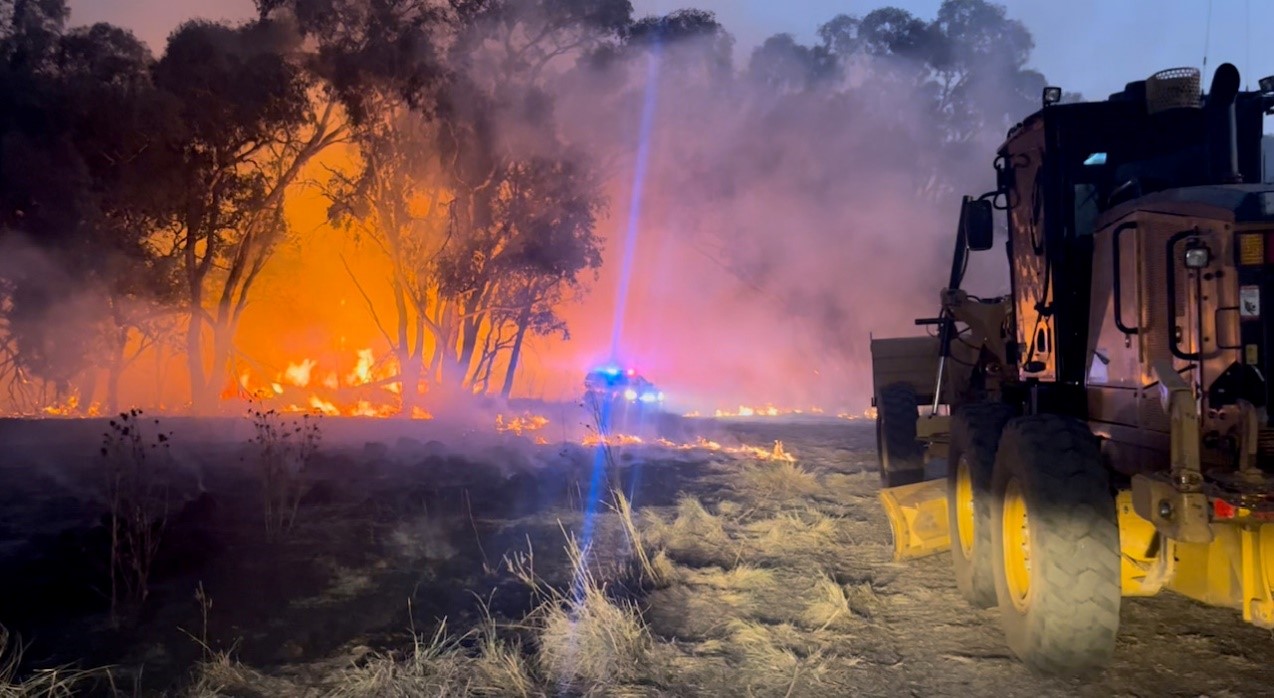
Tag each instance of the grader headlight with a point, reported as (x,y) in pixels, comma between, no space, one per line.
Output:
(1197,257)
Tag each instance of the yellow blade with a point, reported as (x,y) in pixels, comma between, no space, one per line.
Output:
(918,518)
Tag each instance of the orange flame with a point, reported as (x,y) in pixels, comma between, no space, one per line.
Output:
(521,424)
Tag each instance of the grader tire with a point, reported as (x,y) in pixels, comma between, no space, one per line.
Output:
(901,455)
(1054,530)
(975,436)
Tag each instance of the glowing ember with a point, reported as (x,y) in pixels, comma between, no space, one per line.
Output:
(775,453)
(612,440)
(766,411)
(420,413)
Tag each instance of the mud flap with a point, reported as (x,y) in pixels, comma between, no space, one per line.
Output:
(918,518)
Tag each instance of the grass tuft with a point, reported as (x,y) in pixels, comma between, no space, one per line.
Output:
(694,536)
(220,675)
(828,604)
(587,641)
(777,481)
(46,683)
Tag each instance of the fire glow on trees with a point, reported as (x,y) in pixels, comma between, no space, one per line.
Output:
(366,209)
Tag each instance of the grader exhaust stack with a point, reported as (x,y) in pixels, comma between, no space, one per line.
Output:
(1113,411)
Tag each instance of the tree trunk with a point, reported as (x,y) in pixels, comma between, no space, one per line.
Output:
(523,318)
(113,374)
(471,327)
(222,370)
(409,371)
(200,401)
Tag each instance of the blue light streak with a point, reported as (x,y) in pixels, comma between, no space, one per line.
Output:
(597,480)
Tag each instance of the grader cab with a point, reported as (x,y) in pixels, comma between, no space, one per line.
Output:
(1104,431)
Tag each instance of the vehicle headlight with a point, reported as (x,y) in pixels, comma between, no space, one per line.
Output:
(630,394)
(1197,257)
(649,397)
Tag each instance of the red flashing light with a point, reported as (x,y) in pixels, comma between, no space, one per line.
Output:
(1222,509)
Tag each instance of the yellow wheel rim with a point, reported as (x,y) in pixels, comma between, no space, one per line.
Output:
(1017,546)
(964,506)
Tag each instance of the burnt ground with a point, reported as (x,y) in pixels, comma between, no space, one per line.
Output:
(764,576)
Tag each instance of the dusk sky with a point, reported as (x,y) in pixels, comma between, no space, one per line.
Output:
(1087,46)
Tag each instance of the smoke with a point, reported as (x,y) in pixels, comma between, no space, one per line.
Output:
(791,206)
(780,226)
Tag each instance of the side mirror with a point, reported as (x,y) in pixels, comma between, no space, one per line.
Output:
(976,224)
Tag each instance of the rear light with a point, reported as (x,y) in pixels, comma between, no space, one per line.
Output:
(1222,510)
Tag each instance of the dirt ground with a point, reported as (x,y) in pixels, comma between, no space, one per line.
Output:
(442,561)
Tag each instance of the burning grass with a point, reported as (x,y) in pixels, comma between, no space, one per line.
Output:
(777,481)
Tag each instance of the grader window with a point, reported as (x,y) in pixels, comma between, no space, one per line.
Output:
(1086,209)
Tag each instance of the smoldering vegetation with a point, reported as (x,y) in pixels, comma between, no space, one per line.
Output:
(467,179)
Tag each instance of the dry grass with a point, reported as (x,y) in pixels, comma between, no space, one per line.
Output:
(656,570)
(219,675)
(587,641)
(47,683)
(694,535)
(774,657)
(742,577)
(440,665)
(777,481)
(593,642)
(864,600)
(807,532)
(828,604)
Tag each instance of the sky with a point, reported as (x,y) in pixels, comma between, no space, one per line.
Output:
(1088,46)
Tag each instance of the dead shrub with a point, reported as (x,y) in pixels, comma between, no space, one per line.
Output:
(284,446)
(138,470)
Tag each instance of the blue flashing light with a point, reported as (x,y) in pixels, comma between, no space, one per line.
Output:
(1095,159)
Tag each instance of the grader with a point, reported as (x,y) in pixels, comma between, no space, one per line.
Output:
(1105,428)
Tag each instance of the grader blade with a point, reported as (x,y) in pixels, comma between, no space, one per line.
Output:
(917,518)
